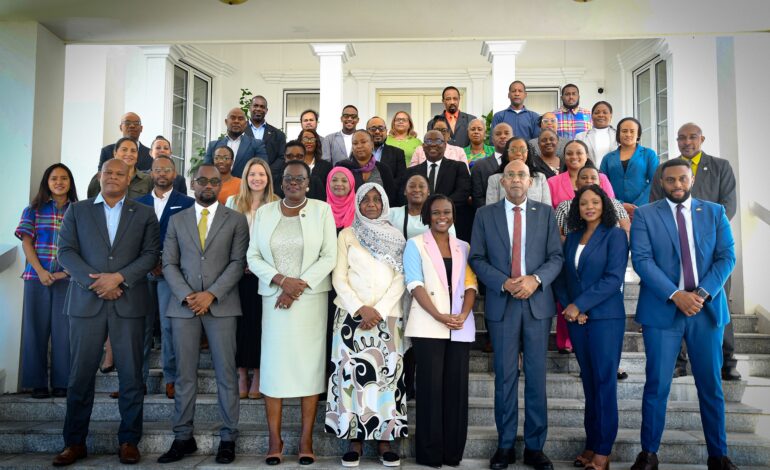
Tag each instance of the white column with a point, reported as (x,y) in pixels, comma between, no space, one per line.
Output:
(502,55)
(157,111)
(475,101)
(331,58)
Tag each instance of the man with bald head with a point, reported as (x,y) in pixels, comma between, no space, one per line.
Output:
(714,182)
(389,155)
(488,166)
(130,126)
(242,144)
(518,270)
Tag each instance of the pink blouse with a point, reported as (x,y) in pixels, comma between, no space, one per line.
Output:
(561,188)
(452,152)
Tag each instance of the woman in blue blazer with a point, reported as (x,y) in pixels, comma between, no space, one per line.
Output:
(631,167)
(591,286)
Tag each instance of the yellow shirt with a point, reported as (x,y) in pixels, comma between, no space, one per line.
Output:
(694,161)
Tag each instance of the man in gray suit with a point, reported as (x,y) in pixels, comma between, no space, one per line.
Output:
(338,145)
(714,182)
(107,244)
(203,259)
(488,166)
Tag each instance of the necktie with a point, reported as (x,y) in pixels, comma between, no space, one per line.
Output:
(202,226)
(684,250)
(432,177)
(516,249)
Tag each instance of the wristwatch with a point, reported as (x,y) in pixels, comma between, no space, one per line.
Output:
(537,278)
(702,293)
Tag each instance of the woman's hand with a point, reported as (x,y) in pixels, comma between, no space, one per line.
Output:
(284,301)
(293,287)
(453,322)
(582,319)
(370,317)
(46,278)
(571,313)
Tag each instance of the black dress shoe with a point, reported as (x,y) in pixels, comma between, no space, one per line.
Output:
(226,452)
(720,463)
(179,449)
(680,372)
(537,459)
(107,370)
(730,373)
(40,393)
(60,393)
(646,461)
(502,458)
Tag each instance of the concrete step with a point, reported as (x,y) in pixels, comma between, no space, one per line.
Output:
(683,415)
(678,447)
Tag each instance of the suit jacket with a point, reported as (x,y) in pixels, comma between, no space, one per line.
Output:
(480,174)
(394,159)
(656,257)
(333,148)
(177,202)
(143,162)
(714,182)
(216,269)
(275,145)
(319,253)
(631,185)
(84,248)
(452,180)
(387,178)
(249,148)
(596,285)
(459,136)
(490,258)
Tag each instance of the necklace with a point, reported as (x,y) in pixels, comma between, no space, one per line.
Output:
(283,201)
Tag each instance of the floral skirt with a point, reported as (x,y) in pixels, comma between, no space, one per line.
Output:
(366,397)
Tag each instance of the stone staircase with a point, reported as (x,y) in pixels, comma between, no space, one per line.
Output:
(30,430)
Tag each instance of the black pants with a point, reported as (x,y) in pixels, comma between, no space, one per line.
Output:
(728,342)
(442,400)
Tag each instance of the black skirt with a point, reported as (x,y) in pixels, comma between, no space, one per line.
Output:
(249,333)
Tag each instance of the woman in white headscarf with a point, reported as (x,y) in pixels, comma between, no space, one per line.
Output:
(366,390)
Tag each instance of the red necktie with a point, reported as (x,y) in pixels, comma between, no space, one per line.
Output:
(516,250)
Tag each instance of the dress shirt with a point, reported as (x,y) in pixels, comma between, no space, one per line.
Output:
(259,132)
(686,212)
(348,140)
(509,224)
(234,145)
(378,152)
(572,121)
(212,211)
(159,203)
(111,215)
(694,162)
(499,158)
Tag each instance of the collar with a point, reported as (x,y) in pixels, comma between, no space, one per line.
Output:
(456,115)
(517,111)
(574,110)
(509,205)
(100,198)
(212,208)
(251,123)
(230,139)
(164,196)
(437,162)
(687,204)
(696,159)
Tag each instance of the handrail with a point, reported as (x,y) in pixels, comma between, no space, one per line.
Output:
(7,255)
(760,211)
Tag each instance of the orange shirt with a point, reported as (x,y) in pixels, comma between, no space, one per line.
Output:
(229,188)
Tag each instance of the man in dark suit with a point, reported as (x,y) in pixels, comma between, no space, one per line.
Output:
(488,166)
(683,250)
(389,155)
(317,190)
(243,145)
(516,252)
(130,126)
(273,138)
(338,145)
(204,256)
(458,120)
(107,244)
(447,177)
(714,182)
(166,201)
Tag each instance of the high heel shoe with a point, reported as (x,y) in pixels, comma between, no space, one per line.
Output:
(583,459)
(594,466)
(107,370)
(275,459)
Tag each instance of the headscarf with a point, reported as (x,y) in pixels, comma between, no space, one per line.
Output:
(381,239)
(343,208)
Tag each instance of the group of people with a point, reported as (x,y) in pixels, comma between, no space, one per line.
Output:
(348,266)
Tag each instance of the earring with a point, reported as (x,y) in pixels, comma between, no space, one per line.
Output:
(307,189)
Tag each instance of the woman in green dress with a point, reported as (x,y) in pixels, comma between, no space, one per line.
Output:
(402,135)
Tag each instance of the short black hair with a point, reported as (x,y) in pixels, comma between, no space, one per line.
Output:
(439,118)
(673,162)
(312,111)
(530,163)
(165,157)
(515,82)
(428,204)
(232,154)
(593,108)
(349,106)
(44,193)
(293,143)
(450,87)
(259,96)
(638,126)
(569,85)
(588,167)
(608,219)
(295,163)
(204,165)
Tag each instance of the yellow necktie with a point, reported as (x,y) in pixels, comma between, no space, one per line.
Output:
(202,226)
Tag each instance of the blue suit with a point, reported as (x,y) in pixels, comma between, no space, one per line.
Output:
(249,148)
(655,254)
(596,289)
(177,202)
(518,325)
(633,184)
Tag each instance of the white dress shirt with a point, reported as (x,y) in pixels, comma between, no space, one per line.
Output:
(438,169)
(160,202)
(498,157)
(234,145)
(578,252)
(686,212)
(212,211)
(348,140)
(509,222)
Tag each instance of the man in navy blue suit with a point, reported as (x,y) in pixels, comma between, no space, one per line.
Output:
(683,250)
(516,252)
(244,146)
(166,201)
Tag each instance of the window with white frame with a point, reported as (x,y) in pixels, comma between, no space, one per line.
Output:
(191,114)
(651,105)
(294,102)
(542,99)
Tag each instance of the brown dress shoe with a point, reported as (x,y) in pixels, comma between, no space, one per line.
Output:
(170,392)
(116,394)
(69,455)
(129,454)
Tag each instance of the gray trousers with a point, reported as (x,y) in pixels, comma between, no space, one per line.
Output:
(220,332)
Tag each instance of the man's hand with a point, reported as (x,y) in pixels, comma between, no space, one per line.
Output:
(523,287)
(157,270)
(571,313)
(199,302)
(105,282)
(370,317)
(112,294)
(689,303)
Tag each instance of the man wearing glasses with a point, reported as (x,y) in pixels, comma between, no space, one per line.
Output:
(338,145)
(243,145)
(389,155)
(130,126)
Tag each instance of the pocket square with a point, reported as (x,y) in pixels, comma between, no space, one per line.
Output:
(175,207)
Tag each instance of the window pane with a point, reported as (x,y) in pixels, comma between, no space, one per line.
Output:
(436,108)
(661,108)
(644,106)
(393,108)
(542,101)
(200,92)
(179,118)
(298,102)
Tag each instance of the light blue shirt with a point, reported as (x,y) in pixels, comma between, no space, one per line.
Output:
(259,132)
(111,215)
(378,152)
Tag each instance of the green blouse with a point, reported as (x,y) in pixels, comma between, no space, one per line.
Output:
(407,145)
(472,157)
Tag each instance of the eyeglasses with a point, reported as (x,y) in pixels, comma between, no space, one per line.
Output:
(308,139)
(512,175)
(401,119)
(517,149)
(132,123)
(203,181)
(288,179)
(219,158)
(294,156)
(550,121)
(350,116)
(433,141)
(162,171)
(443,131)
(376,129)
